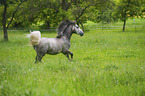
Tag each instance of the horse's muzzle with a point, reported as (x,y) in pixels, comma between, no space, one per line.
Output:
(82,33)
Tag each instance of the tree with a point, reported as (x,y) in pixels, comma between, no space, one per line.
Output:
(102,12)
(78,12)
(45,12)
(126,9)
(48,13)
(5,3)
(84,10)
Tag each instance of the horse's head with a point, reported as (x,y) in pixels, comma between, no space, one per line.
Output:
(76,29)
(68,27)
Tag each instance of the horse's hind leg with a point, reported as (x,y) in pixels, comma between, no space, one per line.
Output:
(36,59)
(39,57)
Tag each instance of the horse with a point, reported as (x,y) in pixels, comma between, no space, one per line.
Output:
(59,44)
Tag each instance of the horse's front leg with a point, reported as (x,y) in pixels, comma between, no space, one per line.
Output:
(71,54)
(67,55)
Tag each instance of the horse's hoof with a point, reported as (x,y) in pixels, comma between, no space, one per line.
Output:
(35,62)
(42,61)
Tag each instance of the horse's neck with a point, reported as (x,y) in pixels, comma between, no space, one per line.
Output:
(68,37)
(68,34)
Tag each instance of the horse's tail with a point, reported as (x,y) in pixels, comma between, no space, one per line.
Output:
(34,37)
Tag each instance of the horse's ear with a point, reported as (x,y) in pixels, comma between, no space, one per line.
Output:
(73,22)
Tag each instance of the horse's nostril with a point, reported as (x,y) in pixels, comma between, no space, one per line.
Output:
(81,34)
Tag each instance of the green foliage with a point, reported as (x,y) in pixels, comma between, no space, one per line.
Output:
(128,8)
(102,13)
(50,13)
(106,63)
(12,5)
(76,10)
(46,13)
(1,11)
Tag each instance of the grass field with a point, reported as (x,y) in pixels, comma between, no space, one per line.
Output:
(106,63)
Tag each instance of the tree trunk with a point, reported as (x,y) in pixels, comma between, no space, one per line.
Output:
(65,6)
(4,18)
(124,25)
(4,21)
(82,26)
(48,24)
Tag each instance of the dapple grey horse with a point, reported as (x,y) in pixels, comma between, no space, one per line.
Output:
(60,44)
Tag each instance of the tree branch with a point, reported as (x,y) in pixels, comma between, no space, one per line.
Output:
(92,4)
(82,12)
(69,4)
(15,13)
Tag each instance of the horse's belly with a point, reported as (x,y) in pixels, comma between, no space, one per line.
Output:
(53,52)
(56,50)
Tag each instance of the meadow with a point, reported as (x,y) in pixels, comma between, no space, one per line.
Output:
(106,63)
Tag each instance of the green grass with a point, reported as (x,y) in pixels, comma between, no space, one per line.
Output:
(106,63)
